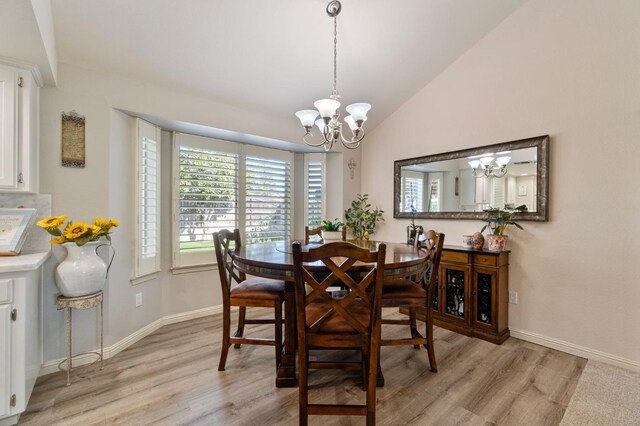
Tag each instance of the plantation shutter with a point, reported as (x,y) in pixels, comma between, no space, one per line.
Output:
(148,200)
(498,200)
(267,199)
(315,185)
(412,189)
(207,200)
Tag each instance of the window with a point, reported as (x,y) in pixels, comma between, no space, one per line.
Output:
(226,185)
(147,205)
(314,189)
(434,196)
(412,190)
(267,198)
(206,199)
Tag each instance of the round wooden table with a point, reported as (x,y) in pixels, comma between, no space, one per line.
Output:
(275,260)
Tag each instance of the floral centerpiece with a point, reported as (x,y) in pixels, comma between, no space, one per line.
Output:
(82,272)
(79,232)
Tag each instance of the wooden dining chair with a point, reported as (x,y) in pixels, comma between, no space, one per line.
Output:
(318,231)
(351,322)
(416,291)
(252,292)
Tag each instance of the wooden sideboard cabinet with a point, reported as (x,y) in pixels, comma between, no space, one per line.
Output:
(473,293)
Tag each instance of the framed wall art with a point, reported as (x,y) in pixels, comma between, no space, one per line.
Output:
(73,140)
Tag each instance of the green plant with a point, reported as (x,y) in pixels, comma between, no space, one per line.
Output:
(498,220)
(361,219)
(332,225)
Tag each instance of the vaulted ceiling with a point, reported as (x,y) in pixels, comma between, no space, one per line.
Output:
(269,56)
(275,55)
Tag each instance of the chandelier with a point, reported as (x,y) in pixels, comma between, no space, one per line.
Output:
(488,166)
(329,124)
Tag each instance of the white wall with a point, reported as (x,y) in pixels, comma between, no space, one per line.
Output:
(104,188)
(568,69)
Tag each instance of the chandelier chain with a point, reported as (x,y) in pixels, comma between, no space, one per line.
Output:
(329,124)
(335,56)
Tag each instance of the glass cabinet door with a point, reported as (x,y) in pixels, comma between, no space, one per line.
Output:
(484,294)
(455,281)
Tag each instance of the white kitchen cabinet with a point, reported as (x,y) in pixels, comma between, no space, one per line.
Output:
(19,110)
(483,190)
(20,332)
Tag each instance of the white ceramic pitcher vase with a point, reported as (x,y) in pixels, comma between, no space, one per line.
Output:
(82,272)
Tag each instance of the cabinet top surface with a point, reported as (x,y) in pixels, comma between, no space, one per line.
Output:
(469,250)
(23,262)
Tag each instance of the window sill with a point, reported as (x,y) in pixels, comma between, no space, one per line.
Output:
(144,278)
(193,268)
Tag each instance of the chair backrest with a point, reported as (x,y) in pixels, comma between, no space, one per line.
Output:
(363,285)
(311,232)
(433,244)
(222,241)
(318,231)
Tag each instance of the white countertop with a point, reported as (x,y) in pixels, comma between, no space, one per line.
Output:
(23,262)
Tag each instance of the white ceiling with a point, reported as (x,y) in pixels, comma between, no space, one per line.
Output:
(275,55)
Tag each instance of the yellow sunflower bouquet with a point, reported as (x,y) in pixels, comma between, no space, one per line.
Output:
(78,232)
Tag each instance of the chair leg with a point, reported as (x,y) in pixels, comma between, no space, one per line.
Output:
(364,359)
(413,326)
(429,345)
(372,361)
(303,356)
(278,332)
(226,330)
(241,317)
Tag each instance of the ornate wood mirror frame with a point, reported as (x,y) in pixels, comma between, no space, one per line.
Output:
(473,211)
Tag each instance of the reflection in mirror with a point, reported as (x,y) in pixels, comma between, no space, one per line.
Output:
(462,184)
(500,180)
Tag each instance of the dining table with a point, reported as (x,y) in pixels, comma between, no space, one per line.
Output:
(275,260)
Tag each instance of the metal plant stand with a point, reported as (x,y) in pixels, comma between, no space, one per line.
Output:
(81,302)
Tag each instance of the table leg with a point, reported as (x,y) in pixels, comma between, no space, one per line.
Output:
(69,359)
(286,375)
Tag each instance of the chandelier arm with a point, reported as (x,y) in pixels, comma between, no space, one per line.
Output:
(353,143)
(306,140)
(498,171)
(327,133)
(353,139)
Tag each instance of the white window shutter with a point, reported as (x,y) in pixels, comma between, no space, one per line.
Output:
(268,207)
(147,208)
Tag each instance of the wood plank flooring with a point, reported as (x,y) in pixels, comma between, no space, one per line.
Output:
(171,378)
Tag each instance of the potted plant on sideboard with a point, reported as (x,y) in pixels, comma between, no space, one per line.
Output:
(498,220)
(331,231)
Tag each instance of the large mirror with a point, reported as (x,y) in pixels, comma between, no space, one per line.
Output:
(461,184)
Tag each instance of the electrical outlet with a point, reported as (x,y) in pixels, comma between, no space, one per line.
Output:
(138,300)
(513,297)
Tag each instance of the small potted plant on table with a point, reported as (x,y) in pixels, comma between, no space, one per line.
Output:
(331,231)
(498,220)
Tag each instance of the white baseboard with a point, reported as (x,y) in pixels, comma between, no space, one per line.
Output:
(110,351)
(576,350)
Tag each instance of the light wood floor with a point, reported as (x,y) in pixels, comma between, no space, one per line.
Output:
(171,378)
